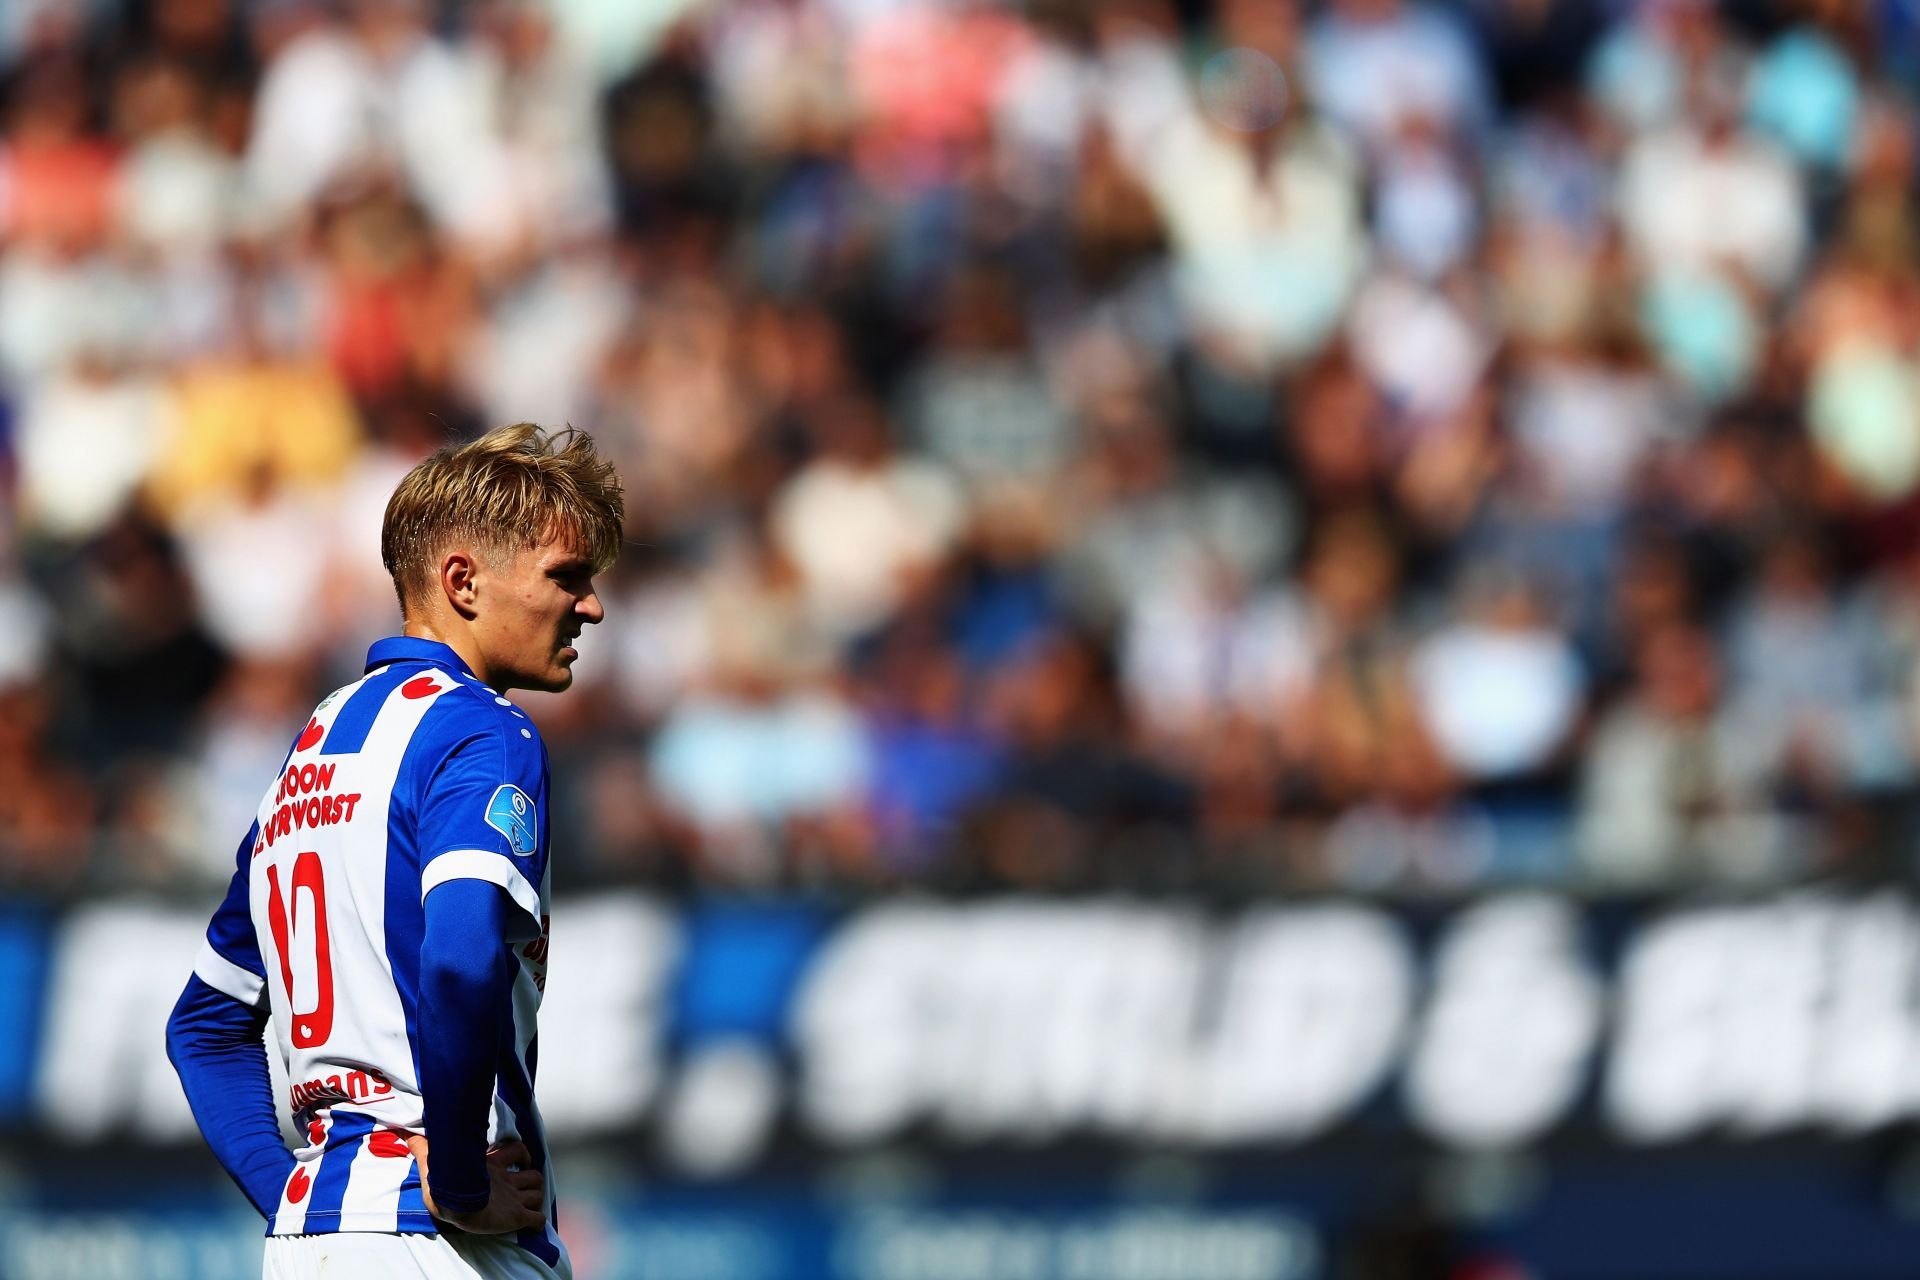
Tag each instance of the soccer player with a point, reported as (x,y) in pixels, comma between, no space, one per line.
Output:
(389,911)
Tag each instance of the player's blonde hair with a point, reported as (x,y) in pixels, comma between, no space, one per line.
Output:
(509,490)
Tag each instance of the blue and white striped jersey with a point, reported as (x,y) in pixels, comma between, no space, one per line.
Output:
(415,775)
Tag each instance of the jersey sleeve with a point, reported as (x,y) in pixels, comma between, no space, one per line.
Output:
(214,1043)
(229,959)
(483,816)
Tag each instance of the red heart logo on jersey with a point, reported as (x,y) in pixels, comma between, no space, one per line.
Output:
(297,1186)
(419,687)
(311,735)
(316,1132)
(388,1143)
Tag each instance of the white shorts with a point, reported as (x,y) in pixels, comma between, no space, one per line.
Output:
(365,1255)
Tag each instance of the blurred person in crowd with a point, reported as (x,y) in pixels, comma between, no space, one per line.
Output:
(752,758)
(923,79)
(1503,692)
(1801,679)
(977,403)
(1882,158)
(1335,436)
(762,739)
(87,435)
(670,179)
(38,26)
(626,832)
(862,519)
(378,89)
(1073,786)
(1197,653)
(1005,594)
(1380,67)
(1534,50)
(1263,223)
(1862,406)
(143,658)
(1550,199)
(1444,483)
(61,170)
(933,757)
(179,187)
(47,805)
(1118,243)
(1144,522)
(1425,200)
(1805,86)
(1664,796)
(539,102)
(678,400)
(778,79)
(671,644)
(1588,415)
(399,304)
(1211,649)
(1703,195)
(77,318)
(536,337)
(1425,344)
(1584,415)
(925,674)
(1655,585)
(27,625)
(255,557)
(49,801)
(1641,69)
(1724,496)
(1406,826)
(259,399)
(1354,758)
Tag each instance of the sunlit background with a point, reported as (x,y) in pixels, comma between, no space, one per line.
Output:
(1259,640)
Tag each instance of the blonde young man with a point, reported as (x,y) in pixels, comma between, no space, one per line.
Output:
(389,911)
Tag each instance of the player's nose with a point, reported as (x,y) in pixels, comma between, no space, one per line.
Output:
(589,610)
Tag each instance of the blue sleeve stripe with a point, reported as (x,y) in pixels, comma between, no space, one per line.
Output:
(355,721)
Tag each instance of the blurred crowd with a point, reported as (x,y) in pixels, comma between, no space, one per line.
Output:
(1358,444)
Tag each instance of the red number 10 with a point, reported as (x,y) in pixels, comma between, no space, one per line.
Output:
(316,1024)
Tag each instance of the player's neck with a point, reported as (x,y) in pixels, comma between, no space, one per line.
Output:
(462,643)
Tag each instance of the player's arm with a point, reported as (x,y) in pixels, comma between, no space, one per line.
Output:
(481,830)
(214,1042)
(466,991)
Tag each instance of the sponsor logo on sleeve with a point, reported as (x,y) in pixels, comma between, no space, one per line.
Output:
(511,813)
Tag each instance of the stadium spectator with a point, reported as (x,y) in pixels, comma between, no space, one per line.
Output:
(1502,463)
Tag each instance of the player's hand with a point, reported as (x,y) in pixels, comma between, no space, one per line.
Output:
(516,1196)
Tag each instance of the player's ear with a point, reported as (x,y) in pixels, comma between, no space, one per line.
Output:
(458,572)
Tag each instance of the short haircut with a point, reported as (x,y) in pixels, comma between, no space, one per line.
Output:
(508,491)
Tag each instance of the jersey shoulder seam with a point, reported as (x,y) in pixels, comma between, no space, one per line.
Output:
(475,717)
(499,714)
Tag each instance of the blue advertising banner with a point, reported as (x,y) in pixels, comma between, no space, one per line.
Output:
(921,1089)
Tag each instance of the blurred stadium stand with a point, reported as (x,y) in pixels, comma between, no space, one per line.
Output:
(1188,698)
